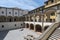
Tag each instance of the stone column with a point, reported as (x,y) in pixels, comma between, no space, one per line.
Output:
(25,25)
(29,18)
(25,18)
(29,26)
(13,19)
(6,19)
(42,23)
(58,16)
(34,28)
(48,19)
(52,20)
(37,18)
(34,23)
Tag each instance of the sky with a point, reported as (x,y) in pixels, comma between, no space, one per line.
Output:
(23,4)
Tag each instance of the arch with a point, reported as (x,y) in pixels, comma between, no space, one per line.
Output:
(2,19)
(27,25)
(38,28)
(32,26)
(46,27)
(10,19)
(49,11)
(16,18)
(48,14)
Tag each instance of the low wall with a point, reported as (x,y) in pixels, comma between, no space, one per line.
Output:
(40,23)
(10,25)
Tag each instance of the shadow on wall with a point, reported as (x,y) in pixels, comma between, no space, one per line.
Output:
(3,34)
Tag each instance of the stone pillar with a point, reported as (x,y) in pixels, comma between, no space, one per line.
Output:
(34,28)
(58,16)
(52,20)
(29,26)
(29,18)
(6,19)
(25,25)
(34,23)
(25,18)
(13,19)
(37,18)
(42,23)
(48,19)
(44,19)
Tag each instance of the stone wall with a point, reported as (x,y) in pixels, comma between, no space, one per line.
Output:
(10,25)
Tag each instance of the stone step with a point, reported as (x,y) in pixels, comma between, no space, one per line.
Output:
(55,35)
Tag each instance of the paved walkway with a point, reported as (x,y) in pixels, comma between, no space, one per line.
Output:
(17,34)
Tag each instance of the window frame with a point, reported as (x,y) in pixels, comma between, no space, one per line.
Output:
(2,12)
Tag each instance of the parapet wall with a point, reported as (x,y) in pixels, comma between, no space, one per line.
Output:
(10,25)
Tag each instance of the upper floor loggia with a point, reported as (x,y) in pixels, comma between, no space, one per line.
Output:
(50,3)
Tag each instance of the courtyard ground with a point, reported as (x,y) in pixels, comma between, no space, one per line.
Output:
(17,34)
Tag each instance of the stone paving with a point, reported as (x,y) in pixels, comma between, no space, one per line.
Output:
(17,34)
(55,35)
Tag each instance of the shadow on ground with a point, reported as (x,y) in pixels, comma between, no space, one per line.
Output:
(3,34)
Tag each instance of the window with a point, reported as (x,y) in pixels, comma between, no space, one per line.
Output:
(52,1)
(15,12)
(2,26)
(2,12)
(21,24)
(52,14)
(9,12)
(15,25)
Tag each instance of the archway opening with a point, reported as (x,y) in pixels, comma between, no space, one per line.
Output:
(51,13)
(16,19)
(46,27)
(27,25)
(38,28)
(2,19)
(10,19)
(31,26)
